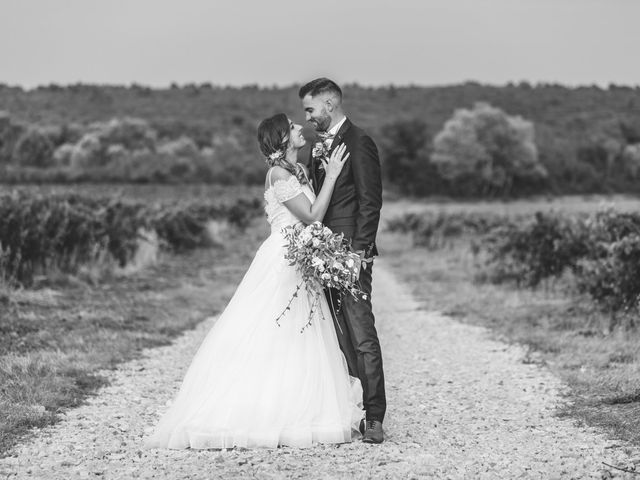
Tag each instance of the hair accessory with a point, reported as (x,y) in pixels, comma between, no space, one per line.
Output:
(277,155)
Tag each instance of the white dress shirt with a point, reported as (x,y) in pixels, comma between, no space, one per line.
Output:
(334,131)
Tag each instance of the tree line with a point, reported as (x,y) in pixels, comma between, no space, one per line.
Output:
(461,140)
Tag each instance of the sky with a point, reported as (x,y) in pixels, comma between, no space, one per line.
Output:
(285,42)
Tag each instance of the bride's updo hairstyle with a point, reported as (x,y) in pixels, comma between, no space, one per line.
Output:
(273,138)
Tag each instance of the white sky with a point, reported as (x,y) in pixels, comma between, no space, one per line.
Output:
(373,42)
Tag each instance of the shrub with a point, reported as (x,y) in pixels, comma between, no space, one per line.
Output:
(65,231)
(601,250)
(88,152)
(531,251)
(613,280)
(63,154)
(131,133)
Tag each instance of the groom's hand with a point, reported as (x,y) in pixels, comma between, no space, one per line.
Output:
(362,263)
(358,264)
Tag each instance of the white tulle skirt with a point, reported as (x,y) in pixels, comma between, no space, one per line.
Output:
(253,383)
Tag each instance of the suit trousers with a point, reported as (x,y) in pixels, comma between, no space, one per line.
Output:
(359,342)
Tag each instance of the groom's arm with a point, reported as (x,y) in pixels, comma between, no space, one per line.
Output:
(365,165)
(306,160)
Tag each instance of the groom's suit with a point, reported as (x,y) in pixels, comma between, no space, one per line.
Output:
(354,210)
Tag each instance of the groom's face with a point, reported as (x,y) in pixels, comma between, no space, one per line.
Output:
(315,109)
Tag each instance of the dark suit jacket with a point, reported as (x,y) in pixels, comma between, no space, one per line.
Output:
(354,209)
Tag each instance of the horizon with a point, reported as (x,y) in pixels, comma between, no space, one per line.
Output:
(508,84)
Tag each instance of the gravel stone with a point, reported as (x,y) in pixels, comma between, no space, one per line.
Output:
(460,405)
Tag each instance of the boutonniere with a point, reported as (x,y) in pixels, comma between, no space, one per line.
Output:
(320,152)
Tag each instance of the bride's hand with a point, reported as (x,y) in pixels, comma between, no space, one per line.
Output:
(334,165)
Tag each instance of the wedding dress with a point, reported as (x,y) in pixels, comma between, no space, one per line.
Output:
(254,383)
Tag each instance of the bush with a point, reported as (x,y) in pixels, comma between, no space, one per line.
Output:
(89,152)
(63,154)
(601,250)
(131,133)
(532,251)
(65,231)
(613,280)
(126,150)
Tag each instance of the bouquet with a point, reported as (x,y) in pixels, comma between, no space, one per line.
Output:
(324,260)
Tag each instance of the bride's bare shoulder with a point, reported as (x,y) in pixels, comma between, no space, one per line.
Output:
(279,173)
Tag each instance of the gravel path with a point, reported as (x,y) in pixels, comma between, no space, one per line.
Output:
(460,406)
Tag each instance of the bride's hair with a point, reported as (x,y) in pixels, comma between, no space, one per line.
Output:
(273,138)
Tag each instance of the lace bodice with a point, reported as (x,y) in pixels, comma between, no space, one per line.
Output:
(278,215)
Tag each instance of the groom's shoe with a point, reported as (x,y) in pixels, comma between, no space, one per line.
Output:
(373,432)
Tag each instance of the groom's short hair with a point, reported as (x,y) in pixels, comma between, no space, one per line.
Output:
(318,86)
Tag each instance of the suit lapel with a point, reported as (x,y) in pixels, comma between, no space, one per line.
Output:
(338,138)
(317,176)
(312,171)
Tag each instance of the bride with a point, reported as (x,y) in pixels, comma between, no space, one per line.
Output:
(255,382)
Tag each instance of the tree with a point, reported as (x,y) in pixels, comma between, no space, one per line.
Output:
(10,133)
(484,151)
(33,149)
(405,157)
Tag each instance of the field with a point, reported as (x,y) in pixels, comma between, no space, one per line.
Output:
(563,328)
(59,333)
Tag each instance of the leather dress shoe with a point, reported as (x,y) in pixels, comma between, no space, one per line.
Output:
(373,432)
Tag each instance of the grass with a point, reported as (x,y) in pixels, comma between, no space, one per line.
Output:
(55,340)
(560,328)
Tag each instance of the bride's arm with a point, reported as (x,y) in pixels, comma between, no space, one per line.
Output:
(300,205)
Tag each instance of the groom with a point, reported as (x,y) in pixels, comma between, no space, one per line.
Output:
(354,210)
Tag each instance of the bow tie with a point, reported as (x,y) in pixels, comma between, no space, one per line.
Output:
(324,136)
